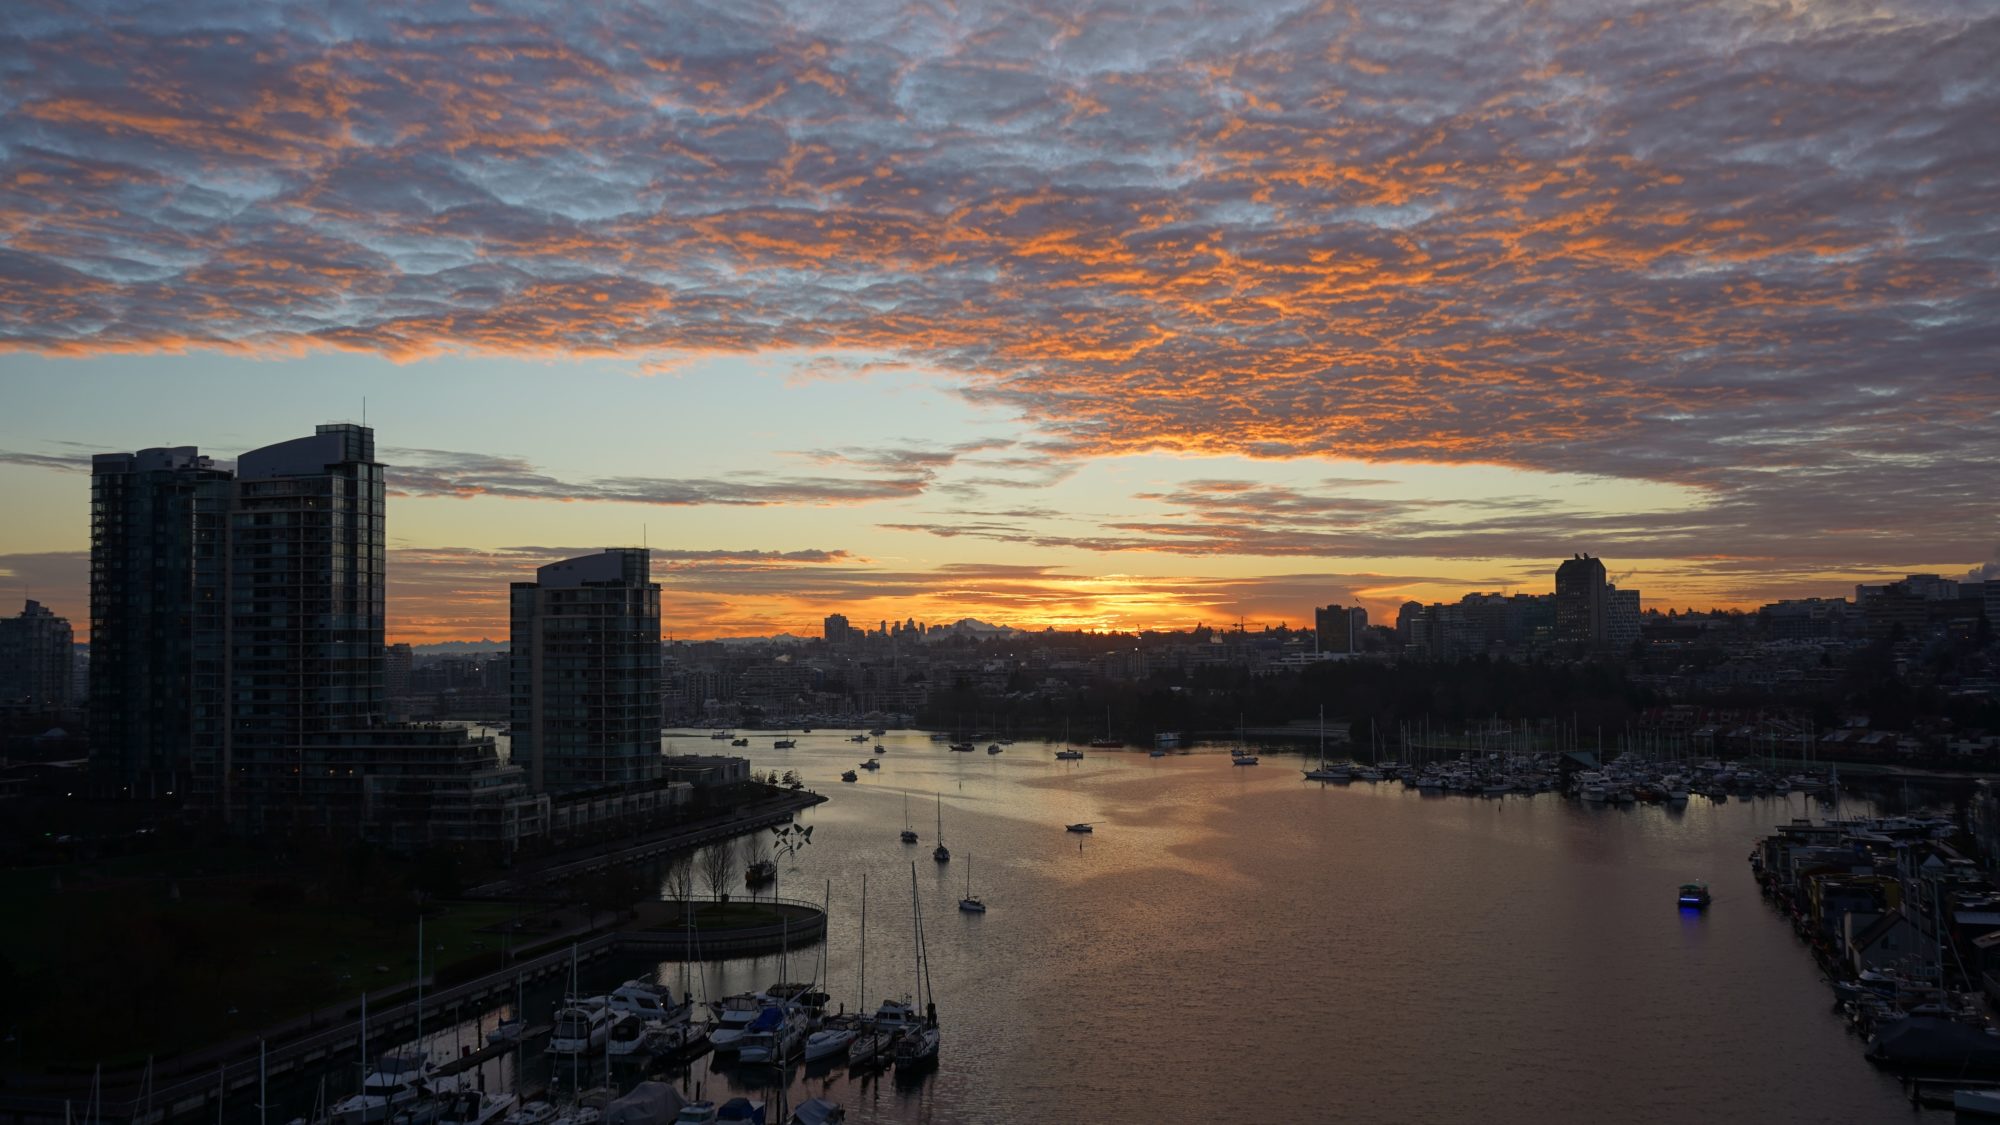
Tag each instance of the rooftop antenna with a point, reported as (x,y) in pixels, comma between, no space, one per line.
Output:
(364,411)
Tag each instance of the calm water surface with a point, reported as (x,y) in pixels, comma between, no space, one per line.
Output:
(1235,944)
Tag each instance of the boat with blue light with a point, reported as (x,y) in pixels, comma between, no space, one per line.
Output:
(1694,896)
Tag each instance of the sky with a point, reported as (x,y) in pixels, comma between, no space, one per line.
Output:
(1051,315)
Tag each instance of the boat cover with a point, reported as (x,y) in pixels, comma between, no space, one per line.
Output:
(649,1103)
(817,1111)
(770,1019)
(741,1109)
(1927,1041)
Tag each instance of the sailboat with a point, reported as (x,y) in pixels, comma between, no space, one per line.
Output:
(1107,742)
(918,1048)
(1322,773)
(970,904)
(909,832)
(941,853)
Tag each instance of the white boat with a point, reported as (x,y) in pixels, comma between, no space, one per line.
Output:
(537,1112)
(918,1050)
(732,1018)
(776,1036)
(628,1038)
(1068,754)
(581,1026)
(828,1042)
(396,1082)
(970,904)
(650,1001)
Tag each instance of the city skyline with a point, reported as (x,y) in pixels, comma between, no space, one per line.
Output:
(1092,320)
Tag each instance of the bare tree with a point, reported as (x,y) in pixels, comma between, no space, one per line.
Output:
(718,866)
(677,875)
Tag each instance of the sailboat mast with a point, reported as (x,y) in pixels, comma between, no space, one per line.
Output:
(420,980)
(916,924)
(861,986)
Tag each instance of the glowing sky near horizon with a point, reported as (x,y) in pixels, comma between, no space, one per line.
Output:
(1081,315)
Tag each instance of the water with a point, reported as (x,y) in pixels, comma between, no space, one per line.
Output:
(1235,944)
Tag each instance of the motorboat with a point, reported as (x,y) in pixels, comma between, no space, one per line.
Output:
(732,1017)
(784,744)
(396,1082)
(1694,896)
(849,775)
(1080,827)
(993,749)
(650,1001)
(581,1026)
(1244,760)
(1069,754)
(962,747)
(879,750)
(740,742)
(759,873)
(775,1036)
(721,735)
(895,1017)
(871,764)
(628,1038)
(909,835)
(858,738)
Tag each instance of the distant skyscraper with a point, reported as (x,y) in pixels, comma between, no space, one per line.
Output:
(1621,626)
(37,652)
(1582,605)
(158,576)
(306,607)
(837,628)
(585,678)
(1339,628)
(396,661)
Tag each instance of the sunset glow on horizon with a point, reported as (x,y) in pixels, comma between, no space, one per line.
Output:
(1047,317)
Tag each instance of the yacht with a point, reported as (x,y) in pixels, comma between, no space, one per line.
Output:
(1068,754)
(732,1018)
(628,1038)
(722,735)
(774,1037)
(1083,826)
(1331,773)
(784,744)
(582,1026)
(858,738)
(1244,760)
(962,747)
(941,853)
(651,1001)
(395,1083)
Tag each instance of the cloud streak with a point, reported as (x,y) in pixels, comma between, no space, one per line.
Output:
(1744,247)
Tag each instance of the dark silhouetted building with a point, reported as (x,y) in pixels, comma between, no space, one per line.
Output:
(585,675)
(837,628)
(1583,610)
(1340,628)
(158,614)
(37,660)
